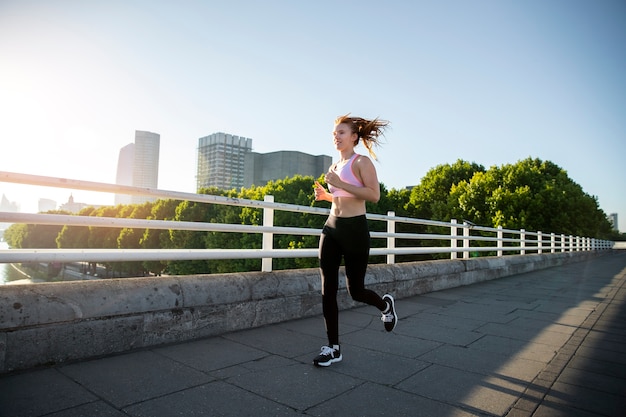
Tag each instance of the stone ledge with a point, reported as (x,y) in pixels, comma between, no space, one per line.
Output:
(50,323)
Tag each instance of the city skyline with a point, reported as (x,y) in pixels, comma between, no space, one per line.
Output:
(225,154)
(488,82)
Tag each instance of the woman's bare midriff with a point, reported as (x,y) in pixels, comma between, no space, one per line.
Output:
(347,207)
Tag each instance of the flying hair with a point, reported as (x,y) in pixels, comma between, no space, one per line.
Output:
(368,131)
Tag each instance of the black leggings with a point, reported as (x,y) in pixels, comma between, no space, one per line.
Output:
(346,237)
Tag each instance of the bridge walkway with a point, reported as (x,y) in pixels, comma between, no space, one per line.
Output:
(549,343)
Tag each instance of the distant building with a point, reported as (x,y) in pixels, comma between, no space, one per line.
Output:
(226,161)
(8,206)
(71,206)
(138,165)
(146,165)
(124,176)
(46,204)
(221,161)
(613,219)
(262,168)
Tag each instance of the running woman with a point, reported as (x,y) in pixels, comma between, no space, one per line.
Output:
(351,182)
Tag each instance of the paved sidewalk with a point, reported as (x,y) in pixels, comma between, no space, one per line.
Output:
(550,343)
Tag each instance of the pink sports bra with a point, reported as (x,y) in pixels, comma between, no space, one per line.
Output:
(346,174)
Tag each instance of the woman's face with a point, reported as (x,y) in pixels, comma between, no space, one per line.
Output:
(343,137)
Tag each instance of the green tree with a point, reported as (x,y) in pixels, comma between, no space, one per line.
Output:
(531,194)
(431,198)
(130,238)
(75,236)
(158,238)
(106,237)
(222,240)
(33,236)
(297,190)
(14,235)
(189,211)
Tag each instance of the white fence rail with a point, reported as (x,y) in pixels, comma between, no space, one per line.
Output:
(463,237)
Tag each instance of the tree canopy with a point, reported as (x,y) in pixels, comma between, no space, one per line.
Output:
(531,194)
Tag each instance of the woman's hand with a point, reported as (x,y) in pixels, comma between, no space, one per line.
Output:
(321,194)
(333,179)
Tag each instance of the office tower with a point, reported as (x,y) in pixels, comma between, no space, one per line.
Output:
(613,221)
(146,165)
(221,161)
(125,163)
(261,168)
(138,165)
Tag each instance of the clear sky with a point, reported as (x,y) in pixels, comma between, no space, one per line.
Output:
(487,81)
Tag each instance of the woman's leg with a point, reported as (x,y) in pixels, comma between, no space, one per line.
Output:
(356,267)
(355,238)
(330,259)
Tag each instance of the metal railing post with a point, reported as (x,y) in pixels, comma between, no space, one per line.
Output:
(552,243)
(539,242)
(500,236)
(466,242)
(453,239)
(522,243)
(268,237)
(391,241)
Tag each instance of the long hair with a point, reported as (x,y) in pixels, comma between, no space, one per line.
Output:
(368,131)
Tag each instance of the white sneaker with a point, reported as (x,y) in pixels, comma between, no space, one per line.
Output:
(389,318)
(327,356)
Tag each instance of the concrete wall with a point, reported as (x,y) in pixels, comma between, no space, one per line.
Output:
(48,323)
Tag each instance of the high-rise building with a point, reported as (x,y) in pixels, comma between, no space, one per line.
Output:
(613,220)
(138,165)
(221,161)
(226,161)
(262,168)
(146,166)
(125,163)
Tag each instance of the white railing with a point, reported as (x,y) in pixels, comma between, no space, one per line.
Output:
(465,238)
